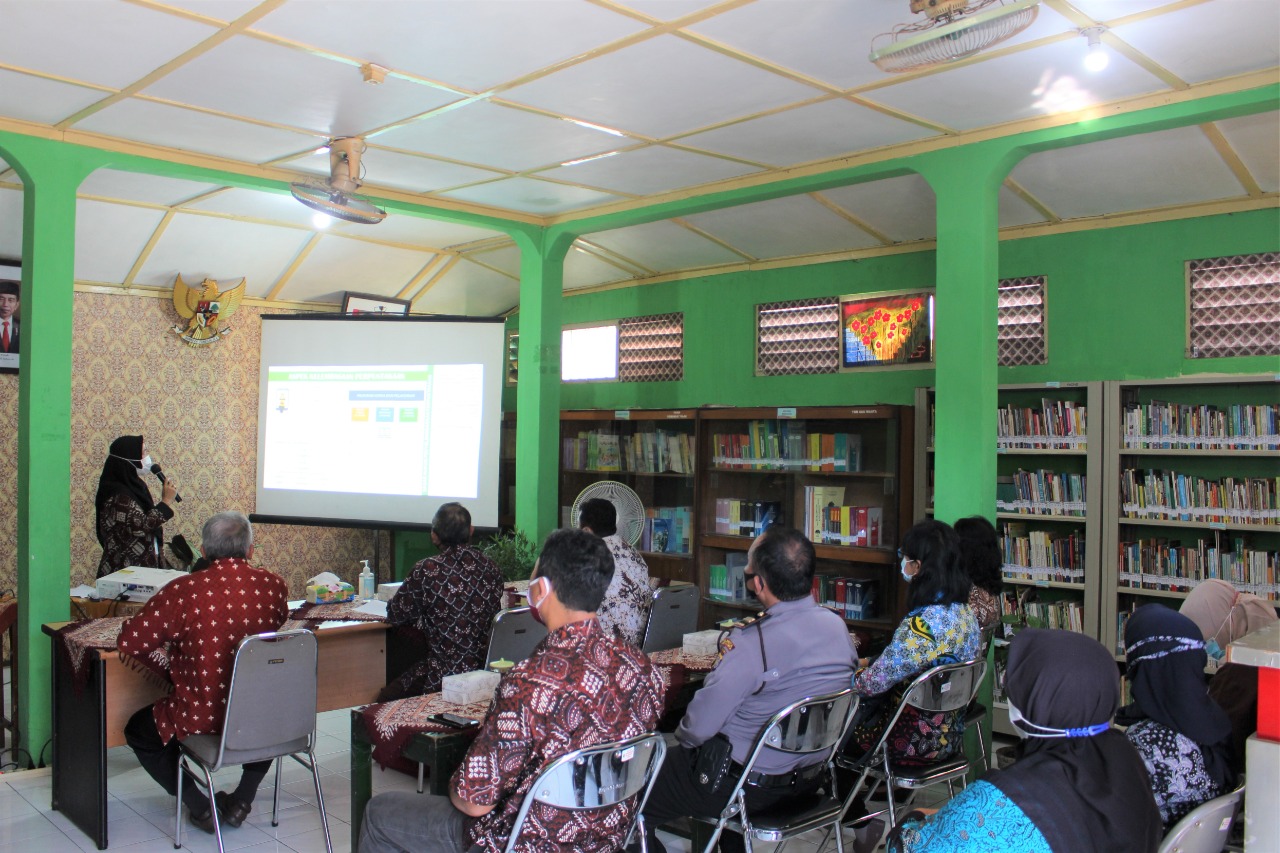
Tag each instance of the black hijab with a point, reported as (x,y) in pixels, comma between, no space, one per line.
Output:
(120,476)
(1166,657)
(1086,789)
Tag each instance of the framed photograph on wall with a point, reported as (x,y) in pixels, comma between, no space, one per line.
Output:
(371,303)
(10,315)
(886,329)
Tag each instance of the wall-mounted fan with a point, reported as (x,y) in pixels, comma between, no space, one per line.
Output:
(336,196)
(624,499)
(952,30)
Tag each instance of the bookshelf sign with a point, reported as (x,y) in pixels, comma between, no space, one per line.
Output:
(787,413)
(622,415)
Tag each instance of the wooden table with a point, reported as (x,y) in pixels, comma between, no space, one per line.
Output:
(352,669)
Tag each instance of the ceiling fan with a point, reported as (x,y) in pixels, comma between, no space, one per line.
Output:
(952,30)
(337,196)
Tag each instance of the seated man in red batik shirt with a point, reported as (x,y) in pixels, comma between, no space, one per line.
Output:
(188,634)
(451,599)
(580,687)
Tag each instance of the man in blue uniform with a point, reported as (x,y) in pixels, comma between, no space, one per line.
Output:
(797,649)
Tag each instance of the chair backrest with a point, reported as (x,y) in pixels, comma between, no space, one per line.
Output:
(985,636)
(674,614)
(810,726)
(949,687)
(515,634)
(1206,827)
(272,698)
(596,777)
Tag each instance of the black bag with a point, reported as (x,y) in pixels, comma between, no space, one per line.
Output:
(711,763)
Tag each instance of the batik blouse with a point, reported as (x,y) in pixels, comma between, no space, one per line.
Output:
(1175,762)
(980,819)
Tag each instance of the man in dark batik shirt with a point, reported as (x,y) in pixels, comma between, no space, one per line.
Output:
(580,687)
(451,600)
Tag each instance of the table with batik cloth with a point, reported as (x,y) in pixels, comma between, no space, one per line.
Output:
(95,693)
(400,735)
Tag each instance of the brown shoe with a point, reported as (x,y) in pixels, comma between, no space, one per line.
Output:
(203,822)
(232,811)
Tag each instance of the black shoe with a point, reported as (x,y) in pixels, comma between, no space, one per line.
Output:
(231,810)
(203,821)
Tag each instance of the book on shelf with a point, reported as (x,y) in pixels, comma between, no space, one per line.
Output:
(852,598)
(786,446)
(737,517)
(667,529)
(1172,496)
(1175,566)
(816,501)
(652,452)
(728,580)
(1056,425)
(1042,492)
(1017,610)
(1177,426)
(1040,555)
(608,453)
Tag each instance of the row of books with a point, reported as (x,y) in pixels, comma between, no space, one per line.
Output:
(853,598)
(1173,565)
(737,517)
(728,581)
(785,445)
(1171,496)
(1042,493)
(653,452)
(1056,425)
(1066,614)
(667,529)
(1177,426)
(1040,555)
(829,522)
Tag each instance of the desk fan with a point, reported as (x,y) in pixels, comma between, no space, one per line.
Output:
(624,499)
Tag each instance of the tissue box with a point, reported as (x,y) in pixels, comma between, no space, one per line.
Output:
(701,643)
(318,593)
(387,591)
(468,687)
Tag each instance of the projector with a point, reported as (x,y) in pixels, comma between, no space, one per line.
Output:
(136,583)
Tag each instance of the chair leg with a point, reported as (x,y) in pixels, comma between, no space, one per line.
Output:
(421,775)
(982,749)
(177,810)
(315,777)
(275,795)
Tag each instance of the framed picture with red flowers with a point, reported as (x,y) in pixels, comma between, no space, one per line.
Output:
(886,329)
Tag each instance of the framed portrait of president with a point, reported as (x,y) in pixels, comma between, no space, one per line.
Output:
(10,315)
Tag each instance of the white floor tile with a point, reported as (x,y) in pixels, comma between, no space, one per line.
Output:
(120,833)
(296,822)
(26,827)
(148,802)
(13,804)
(313,842)
(55,843)
(197,841)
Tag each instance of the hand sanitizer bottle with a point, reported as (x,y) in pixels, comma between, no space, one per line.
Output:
(366,589)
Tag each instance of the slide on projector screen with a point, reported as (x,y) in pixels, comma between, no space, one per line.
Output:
(377,420)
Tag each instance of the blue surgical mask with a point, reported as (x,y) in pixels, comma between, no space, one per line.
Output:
(1214,651)
(906,577)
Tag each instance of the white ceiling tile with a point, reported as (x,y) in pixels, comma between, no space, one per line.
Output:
(667,10)
(505,259)
(903,208)
(502,137)
(1211,40)
(223,10)
(664,246)
(110,237)
(1132,173)
(648,170)
(107,42)
(42,101)
(815,132)
(270,82)
(1014,211)
(531,196)
(470,290)
(10,223)
(338,264)
(137,186)
(174,127)
(660,87)
(1110,10)
(1256,139)
(583,269)
(254,204)
(796,225)
(469,44)
(1044,81)
(208,247)
(392,169)
(417,231)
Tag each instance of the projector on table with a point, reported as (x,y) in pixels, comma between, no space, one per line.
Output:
(136,583)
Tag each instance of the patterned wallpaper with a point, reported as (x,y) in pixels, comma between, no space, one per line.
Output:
(197,408)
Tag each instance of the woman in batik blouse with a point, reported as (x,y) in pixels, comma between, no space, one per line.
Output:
(129,524)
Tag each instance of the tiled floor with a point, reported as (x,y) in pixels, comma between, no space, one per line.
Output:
(140,815)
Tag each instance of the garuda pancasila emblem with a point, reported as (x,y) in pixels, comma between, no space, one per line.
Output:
(206,310)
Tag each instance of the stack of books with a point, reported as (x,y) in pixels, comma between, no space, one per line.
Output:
(667,529)
(1170,496)
(1039,555)
(828,521)
(1056,425)
(853,598)
(1174,426)
(1042,493)
(786,446)
(735,517)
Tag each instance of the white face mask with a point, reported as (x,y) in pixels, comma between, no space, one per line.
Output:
(906,577)
(1015,717)
(145,464)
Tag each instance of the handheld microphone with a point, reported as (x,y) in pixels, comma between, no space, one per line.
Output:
(155,469)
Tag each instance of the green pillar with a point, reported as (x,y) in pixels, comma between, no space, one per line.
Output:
(538,388)
(50,175)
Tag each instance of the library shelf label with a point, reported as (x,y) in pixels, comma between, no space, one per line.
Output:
(622,415)
(786,413)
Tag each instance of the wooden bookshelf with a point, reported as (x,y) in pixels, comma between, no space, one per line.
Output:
(882,478)
(1142,413)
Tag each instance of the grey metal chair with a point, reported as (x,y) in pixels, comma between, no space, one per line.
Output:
(271,713)
(943,689)
(1205,828)
(976,712)
(514,635)
(813,726)
(598,777)
(674,613)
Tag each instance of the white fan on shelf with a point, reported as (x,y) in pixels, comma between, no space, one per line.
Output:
(624,499)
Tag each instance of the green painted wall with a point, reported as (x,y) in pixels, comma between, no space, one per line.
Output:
(1117,310)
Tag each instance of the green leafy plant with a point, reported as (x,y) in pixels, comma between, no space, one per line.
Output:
(513,552)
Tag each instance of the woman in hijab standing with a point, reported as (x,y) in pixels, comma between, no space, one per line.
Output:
(1223,614)
(129,523)
(1182,735)
(1078,785)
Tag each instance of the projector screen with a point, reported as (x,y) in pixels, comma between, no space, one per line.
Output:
(378,421)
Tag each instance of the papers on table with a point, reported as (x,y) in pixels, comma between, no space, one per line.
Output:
(373,607)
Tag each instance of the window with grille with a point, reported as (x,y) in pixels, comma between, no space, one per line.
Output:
(1233,306)
(513,357)
(1020,321)
(651,349)
(801,336)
